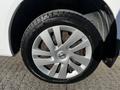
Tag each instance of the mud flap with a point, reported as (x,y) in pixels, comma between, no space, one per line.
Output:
(110,59)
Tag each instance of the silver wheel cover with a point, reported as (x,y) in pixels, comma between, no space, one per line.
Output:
(61,52)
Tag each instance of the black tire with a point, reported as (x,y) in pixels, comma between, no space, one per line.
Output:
(58,17)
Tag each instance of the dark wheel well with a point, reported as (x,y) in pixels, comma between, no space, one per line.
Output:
(30,9)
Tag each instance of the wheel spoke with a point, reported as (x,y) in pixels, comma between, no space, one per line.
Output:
(40,52)
(81,59)
(53,69)
(48,40)
(72,39)
(43,61)
(63,71)
(57,34)
(82,45)
(75,67)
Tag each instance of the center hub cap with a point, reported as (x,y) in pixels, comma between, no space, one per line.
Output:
(61,55)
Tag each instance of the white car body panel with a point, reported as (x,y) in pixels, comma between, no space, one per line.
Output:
(115,7)
(8,8)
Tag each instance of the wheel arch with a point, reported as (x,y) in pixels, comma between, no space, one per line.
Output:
(24,14)
(28,10)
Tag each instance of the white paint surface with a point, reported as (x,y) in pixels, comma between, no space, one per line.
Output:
(7,9)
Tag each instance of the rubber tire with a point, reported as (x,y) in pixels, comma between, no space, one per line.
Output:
(60,17)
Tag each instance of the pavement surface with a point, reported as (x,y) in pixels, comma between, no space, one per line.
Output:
(15,76)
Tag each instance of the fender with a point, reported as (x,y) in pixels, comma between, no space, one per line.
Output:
(115,8)
(7,11)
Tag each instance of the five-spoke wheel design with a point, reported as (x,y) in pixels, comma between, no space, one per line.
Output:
(61,52)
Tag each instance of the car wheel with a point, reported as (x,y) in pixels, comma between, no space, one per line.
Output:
(61,46)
